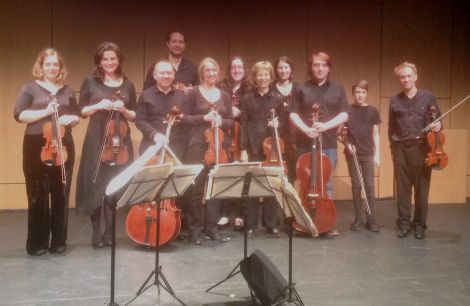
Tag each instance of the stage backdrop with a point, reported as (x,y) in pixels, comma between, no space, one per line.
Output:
(366,39)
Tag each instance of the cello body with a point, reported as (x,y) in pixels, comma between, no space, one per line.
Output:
(141,223)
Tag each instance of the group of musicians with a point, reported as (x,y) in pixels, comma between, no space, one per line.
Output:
(207,102)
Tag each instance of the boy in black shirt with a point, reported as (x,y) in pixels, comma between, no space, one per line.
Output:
(363,135)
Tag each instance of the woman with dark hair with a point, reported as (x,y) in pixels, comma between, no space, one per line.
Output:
(236,84)
(35,106)
(107,91)
(205,105)
(286,90)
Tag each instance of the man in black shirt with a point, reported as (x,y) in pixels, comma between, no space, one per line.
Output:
(186,71)
(333,112)
(408,115)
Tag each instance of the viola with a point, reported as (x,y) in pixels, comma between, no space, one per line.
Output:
(313,170)
(436,159)
(273,146)
(53,152)
(141,221)
(343,137)
(235,133)
(115,152)
(214,137)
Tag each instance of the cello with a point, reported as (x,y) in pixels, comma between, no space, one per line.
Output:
(141,220)
(53,152)
(313,170)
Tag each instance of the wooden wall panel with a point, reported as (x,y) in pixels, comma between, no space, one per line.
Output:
(255,35)
(77,35)
(386,179)
(350,32)
(449,185)
(418,32)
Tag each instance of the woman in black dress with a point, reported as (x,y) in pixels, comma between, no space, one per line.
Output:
(35,105)
(286,90)
(256,108)
(97,100)
(236,85)
(205,104)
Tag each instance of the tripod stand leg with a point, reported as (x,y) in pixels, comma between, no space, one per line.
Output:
(109,201)
(229,276)
(168,288)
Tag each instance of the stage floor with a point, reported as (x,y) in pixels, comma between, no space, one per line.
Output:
(355,268)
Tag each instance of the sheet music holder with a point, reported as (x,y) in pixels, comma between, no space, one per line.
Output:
(156,183)
(292,208)
(240,180)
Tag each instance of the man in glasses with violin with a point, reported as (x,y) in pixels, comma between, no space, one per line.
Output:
(408,116)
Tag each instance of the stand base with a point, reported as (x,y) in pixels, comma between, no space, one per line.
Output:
(293,297)
(166,286)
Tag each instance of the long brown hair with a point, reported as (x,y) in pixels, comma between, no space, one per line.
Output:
(98,72)
(228,83)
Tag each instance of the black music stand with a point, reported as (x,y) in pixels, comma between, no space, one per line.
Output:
(116,184)
(292,208)
(240,180)
(156,183)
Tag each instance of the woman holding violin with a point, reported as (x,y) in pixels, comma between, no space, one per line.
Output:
(108,98)
(47,106)
(362,140)
(287,90)
(255,127)
(236,85)
(208,112)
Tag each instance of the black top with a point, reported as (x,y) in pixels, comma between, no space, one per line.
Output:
(332,100)
(361,121)
(35,97)
(256,111)
(407,117)
(151,113)
(286,108)
(186,74)
(194,109)
(89,195)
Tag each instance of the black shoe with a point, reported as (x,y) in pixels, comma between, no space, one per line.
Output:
(250,233)
(274,232)
(38,252)
(215,236)
(372,227)
(419,234)
(59,250)
(107,241)
(403,232)
(356,226)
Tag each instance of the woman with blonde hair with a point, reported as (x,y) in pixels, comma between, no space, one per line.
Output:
(205,105)
(35,106)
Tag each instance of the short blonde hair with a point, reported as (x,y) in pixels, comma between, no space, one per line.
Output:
(403,65)
(203,64)
(262,65)
(37,67)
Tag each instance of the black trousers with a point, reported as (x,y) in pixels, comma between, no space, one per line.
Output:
(366,164)
(43,182)
(411,174)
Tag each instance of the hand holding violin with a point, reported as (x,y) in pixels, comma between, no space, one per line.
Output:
(212,116)
(71,120)
(104,104)
(436,126)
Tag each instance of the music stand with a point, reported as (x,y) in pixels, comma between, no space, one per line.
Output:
(156,183)
(240,180)
(116,184)
(292,208)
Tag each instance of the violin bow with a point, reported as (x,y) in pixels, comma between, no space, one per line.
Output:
(429,126)
(59,137)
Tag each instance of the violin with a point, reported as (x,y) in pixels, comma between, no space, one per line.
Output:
(141,221)
(273,146)
(235,133)
(214,137)
(342,137)
(115,152)
(53,152)
(436,159)
(313,170)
